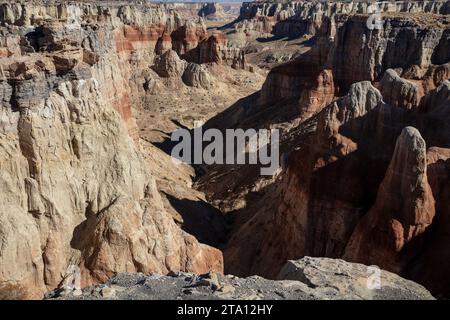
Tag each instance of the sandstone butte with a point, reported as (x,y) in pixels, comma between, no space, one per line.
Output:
(365,143)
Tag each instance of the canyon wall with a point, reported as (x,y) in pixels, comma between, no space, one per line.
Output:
(298,18)
(365,140)
(216,11)
(366,183)
(75,189)
(409,43)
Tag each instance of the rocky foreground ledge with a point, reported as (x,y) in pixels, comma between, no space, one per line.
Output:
(304,279)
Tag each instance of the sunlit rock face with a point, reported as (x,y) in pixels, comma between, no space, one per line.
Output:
(299,18)
(75,190)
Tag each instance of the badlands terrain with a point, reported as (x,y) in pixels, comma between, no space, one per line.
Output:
(91,91)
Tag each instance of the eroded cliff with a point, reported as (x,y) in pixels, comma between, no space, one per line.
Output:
(363,117)
(299,18)
(75,189)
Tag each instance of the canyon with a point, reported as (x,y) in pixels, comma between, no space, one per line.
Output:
(91,92)
(359,143)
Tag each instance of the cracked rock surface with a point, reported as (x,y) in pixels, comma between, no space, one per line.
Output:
(305,279)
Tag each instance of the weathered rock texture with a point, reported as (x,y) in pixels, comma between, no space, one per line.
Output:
(365,145)
(305,279)
(217,49)
(75,190)
(219,12)
(400,92)
(403,210)
(299,18)
(364,118)
(408,44)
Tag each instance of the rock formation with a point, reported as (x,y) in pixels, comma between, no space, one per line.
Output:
(305,279)
(298,18)
(347,280)
(360,113)
(217,49)
(211,10)
(402,212)
(169,65)
(365,146)
(75,190)
(195,75)
(324,72)
(400,92)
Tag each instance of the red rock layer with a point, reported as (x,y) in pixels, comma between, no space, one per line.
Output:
(356,186)
(76,192)
(390,233)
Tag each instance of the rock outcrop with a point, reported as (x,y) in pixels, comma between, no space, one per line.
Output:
(335,277)
(403,210)
(305,279)
(217,49)
(303,211)
(400,92)
(195,75)
(169,65)
(342,107)
(435,260)
(304,18)
(75,189)
(311,81)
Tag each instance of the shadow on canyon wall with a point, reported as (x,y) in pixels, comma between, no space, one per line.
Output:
(201,219)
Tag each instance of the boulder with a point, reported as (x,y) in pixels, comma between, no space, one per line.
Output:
(338,279)
(169,65)
(196,75)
